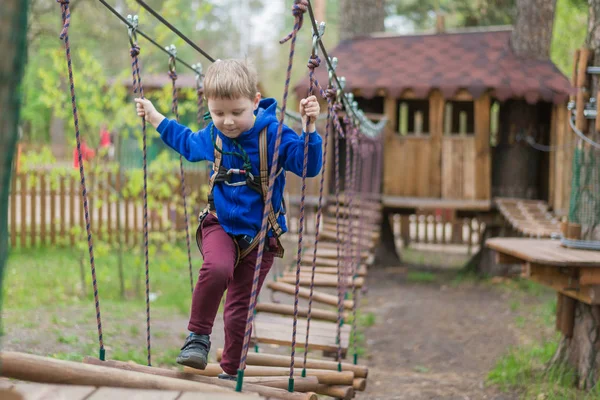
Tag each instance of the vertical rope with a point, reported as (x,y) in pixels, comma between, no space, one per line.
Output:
(358,165)
(312,64)
(299,8)
(137,87)
(64,35)
(175,110)
(329,95)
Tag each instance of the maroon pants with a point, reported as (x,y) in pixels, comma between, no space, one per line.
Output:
(216,275)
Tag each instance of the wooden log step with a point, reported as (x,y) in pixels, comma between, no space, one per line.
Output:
(331,220)
(356,212)
(331,252)
(331,235)
(275,360)
(325,377)
(321,280)
(263,388)
(307,269)
(323,262)
(288,309)
(304,293)
(34,368)
(275,329)
(365,232)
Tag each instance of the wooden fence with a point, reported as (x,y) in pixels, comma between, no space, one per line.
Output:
(46,209)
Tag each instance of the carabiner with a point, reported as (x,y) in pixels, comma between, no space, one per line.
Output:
(333,62)
(316,37)
(172,50)
(133,21)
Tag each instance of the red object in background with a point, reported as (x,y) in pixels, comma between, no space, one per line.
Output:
(104,138)
(87,153)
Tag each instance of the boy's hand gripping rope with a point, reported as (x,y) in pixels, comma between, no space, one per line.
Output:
(64,35)
(175,109)
(138,88)
(263,231)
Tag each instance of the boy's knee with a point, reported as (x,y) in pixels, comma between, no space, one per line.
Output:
(218,271)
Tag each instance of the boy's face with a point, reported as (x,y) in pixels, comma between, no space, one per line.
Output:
(233,116)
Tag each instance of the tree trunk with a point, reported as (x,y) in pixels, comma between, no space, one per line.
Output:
(361,18)
(581,350)
(532,34)
(386,254)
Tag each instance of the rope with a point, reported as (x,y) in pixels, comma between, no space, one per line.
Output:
(243,155)
(263,230)
(330,96)
(175,110)
(137,87)
(64,35)
(313,63)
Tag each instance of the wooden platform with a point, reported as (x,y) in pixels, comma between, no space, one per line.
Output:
(277,329)
(434,203)
(570,272)
(529,217)
(545,252)
(38,391)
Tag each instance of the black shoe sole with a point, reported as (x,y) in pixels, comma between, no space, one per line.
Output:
(192,362)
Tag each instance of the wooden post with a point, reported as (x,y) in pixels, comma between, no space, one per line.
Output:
(43,208)
(13,211)
(23,194)
(72,196)
(33,194)
(53,221)
(582,90)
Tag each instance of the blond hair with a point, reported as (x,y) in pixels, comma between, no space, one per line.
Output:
(230,79)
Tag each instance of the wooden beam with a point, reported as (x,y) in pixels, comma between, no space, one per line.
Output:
(288,309)
(34,368)
(325,377)
(305,294)
(502,258)
(273,360)
(589,276)
(564,282)
(264,388)
(567,316)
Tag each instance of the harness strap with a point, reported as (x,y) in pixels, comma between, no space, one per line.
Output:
(264,180)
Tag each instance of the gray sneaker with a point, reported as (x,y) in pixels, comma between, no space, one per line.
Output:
(227,377)
(194,352)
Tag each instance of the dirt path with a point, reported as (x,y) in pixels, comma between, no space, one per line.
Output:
(435,340)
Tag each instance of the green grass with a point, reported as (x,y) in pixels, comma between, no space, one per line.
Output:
(38,277)
(420,277)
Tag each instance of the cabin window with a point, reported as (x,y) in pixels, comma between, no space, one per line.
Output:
(494,123)
(459,118)
(413,117)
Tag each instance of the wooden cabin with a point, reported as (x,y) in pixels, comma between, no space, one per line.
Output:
(464,114)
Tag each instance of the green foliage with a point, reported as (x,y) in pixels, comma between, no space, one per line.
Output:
(459,13)
(420,277)
(570,30)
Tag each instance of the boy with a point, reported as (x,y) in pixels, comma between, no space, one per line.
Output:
(229,227)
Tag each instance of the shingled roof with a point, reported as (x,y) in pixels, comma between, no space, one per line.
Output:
(474,61)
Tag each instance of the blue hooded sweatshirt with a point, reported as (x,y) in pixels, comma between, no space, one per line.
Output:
(240,208)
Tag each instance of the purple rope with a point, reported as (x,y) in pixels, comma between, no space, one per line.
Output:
(137,86)
(64,35)
(175,110)
(329,95)
(263,230)
(358,246)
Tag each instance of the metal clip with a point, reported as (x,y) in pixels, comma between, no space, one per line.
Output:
(340,90)
(333,62)
(172,54)
(199,77)
(132,29)
(316,37)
